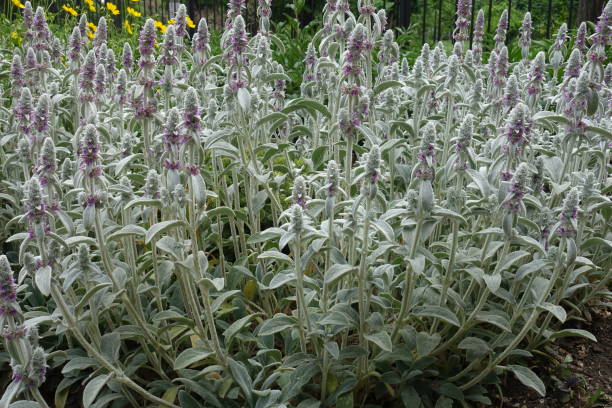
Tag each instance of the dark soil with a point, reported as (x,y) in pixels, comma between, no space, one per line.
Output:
(577,372)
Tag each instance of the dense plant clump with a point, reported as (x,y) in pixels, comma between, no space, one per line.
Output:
(185,233)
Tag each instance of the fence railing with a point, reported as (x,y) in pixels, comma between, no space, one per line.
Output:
(433,19)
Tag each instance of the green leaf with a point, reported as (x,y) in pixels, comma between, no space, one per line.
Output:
(241,376)
(93,388)
(438,312)
(381,339)
(244,99)
(78,363)
(281,279)
(493,282)
(161,227)
(80,239)
(221,211)
(43,280)
(513,258)
(337,271)
(127,231)
(147,202)
(495,320)
(384,86)
(121,164)
(276,255)
(528,378)
(85,299)
(190,356)
(278,323)
(187,401)
(235,327)
(556,310)
(573,333)
(426,343)
(24,404)
(479,346)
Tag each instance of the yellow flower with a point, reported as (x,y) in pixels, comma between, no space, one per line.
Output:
(70,10)
(190,23)
(135,1)
(133,12)
(160,26)
(171,21)
(90,34)
(90,3)
(92,26)
(112,8)
(17,3)
(128,27)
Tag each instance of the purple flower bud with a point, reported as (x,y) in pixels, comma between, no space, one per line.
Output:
(332,178)
(147,39)
(169,47)
(74,45)
(8,289)
(122,86)
(41,115)
(31,61)
(110,65)
(201,39)
(28,15)
(152,183)
(298,194)
(369,188)
(518,189)
(16,74)
(502,27)
(536,75)
(297,219)
(525,35)
(83,28)
(235,8)
(47,162)
(38,367)
(501,68)
(100,81)
(89,152)
(574,65)
(101,35)
(478,35)
(40,28)
(569,213)
(23,110)
(518,126)
(511,92)
(180,21)
(464,8)
(127,58)
(191,110)
(238,37)
(581,38)
(173,138)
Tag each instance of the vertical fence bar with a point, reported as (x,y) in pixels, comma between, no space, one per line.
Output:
(549,19)
(424,28)
(472,22)
(509,13)
(490,16)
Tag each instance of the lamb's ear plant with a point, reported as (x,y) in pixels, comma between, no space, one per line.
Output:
(183,230)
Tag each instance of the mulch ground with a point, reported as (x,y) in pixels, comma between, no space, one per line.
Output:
(577,372)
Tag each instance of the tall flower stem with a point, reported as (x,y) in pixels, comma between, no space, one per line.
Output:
(526,328)
(362,285)
(118,374)
(409,281)
(302,309)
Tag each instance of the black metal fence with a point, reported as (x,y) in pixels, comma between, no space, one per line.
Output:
(433,18)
